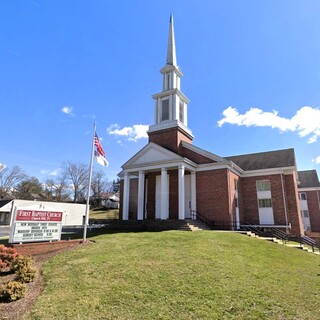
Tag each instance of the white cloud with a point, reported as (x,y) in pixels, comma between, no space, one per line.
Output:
(317,160)
(134,133)
(306,121)
(67,110)
(51,173)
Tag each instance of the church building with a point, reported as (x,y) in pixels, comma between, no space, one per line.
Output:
(171,178)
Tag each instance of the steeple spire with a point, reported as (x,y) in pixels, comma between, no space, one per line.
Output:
(171,52)
(170,110)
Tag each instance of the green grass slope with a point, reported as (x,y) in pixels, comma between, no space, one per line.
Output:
(180,275)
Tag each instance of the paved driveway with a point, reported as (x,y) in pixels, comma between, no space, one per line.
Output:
(4,231)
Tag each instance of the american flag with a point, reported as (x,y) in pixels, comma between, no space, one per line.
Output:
(98,145)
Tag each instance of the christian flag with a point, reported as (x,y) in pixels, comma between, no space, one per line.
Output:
(99,153)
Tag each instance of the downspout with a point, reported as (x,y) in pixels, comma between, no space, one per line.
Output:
(284,200)
(318,199)
(229,199)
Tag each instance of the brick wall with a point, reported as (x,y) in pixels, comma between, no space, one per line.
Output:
(313,207)
(32,249)
(133,199)
(279,204)
(151,201)
(212,194)
(169,138)
(250,201)
(293,204)
(250,208)
(173,194)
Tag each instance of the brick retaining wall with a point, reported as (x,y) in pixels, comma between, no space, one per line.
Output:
(32,249)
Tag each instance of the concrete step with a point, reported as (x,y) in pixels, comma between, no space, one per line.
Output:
(197,225)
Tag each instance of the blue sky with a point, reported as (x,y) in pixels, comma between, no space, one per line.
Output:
(251,71)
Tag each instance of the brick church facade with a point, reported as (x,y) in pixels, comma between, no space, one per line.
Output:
(170,178)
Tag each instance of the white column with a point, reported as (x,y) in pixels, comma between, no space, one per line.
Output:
(159,110)
(156,111)
(178,83)
(181,192)
(164,194)
(185,110)
(140,195)
(170,107)
(126,194)
(193,193)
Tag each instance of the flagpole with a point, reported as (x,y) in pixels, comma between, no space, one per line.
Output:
(89,187)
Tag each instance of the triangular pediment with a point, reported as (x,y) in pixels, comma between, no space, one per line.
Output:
(151,154)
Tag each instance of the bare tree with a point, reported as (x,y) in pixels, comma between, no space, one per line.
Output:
(9,178)
(99,184)
(116,185)
(57,189)
(77,174)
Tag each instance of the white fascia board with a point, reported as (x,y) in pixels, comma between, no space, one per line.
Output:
(168,68)
(271,171)
(171,92)
(309,189)
(173,164)
(170,124)
(218,166)
(131,176)
(121,174)
(182,96)
(152,145)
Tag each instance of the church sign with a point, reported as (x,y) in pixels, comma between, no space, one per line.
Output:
(36,225)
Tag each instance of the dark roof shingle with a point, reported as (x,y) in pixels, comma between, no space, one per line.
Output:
(308,179)
(265,160)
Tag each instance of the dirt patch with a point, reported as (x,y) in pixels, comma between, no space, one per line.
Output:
(17,309)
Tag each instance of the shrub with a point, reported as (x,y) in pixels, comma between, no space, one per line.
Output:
(7,255)
(3,265)
(24,269)
(12,291)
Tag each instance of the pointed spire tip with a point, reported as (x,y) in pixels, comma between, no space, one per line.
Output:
(171,51)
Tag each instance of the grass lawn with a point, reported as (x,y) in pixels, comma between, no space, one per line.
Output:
(102,213)
(180,275)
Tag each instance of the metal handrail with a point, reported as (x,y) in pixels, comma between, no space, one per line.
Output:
(196,215)
(280,235)
(308,241)
(250,227)
(214,224)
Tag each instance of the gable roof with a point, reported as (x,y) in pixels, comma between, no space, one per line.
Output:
(152,153)
(4,205)
(308,179)
(265,160)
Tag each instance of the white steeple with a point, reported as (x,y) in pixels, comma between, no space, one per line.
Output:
(171,104)
(171,52)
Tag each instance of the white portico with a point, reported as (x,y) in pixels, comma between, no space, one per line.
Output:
(157,178)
